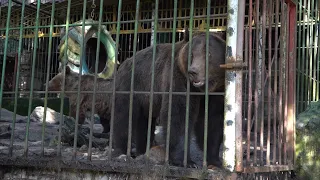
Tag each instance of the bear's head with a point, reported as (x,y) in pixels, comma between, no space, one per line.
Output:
(71,78)
(197,68)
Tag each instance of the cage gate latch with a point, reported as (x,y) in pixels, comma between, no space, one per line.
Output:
(234,65)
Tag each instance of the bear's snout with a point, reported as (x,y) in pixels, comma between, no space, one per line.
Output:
(194,77)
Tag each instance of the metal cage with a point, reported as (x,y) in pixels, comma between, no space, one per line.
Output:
(260,83)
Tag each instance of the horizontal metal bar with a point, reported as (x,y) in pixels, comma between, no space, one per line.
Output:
(122,92)
(110,166)
(140,31)
(35,8)
(271,168)
(122,22)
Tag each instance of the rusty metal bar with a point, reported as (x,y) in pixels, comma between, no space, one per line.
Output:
(285,74)
(291,83)
(309,49)
(269,82)
(238,99)
(275,103)
(263,47)
(313,69)
(250,82)
(304,64)
(281,79)
(231,89)
(258,84)
(300,67)
(266,169)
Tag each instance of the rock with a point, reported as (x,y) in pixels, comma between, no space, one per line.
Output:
(52,116)
(307,142)
(97,128)
(84,148)
(68,129)
(96,118)
(7,116)
(4,128)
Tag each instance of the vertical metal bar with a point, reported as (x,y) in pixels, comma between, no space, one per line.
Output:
(304,69)
(93,105)
(308,65)
(205,138)
(188,86)
(281,78)
(231,81)
(310,33)
(47,77)
(250,82)
(32,78)
(238,98)
(180,13)
(275,87)
(17,74)
(152,25)
(317,51)
(258,84)
(114,18)
(82,55)
(136,24)
(175,9)
(285,73)
(114,77)
(314,45)
(64,62)
(315,87)
(270,79)
(5,52)
(152,74)
(16,77)
(291,83)
(263,47)
(300,75)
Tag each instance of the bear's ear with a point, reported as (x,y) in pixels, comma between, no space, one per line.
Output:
(186,34)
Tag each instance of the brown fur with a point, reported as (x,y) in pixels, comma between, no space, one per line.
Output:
(162,68)
(87,84)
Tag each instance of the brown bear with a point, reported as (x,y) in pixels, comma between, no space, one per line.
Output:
(87,84)
(162,75)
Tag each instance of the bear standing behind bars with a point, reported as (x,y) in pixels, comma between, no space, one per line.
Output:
(87,84)
(162,71)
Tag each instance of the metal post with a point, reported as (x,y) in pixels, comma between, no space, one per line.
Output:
(152,25)
(290,140)
(239,51)
(233,87)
